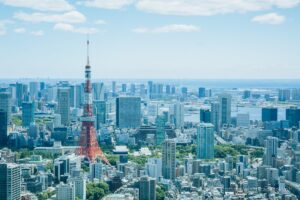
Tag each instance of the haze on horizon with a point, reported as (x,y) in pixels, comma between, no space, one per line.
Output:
(150,39)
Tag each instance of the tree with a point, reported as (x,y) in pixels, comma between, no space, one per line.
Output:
(160,193)
(96,191)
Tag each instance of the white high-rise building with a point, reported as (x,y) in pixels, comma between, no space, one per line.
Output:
(154,167)
(96,170)
(10,181)
(271,151)
(65,191)
(177,115)
(80,187)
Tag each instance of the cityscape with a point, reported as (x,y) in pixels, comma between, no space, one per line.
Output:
(180,132)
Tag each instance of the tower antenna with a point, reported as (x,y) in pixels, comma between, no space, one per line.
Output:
(88,49)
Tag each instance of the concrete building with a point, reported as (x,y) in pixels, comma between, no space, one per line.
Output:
(27,113)
(225,108)
(6,104)
(205,141)
(128,112)
(169,159)
(65,191)
(10,181)
(63,98)
(147,188)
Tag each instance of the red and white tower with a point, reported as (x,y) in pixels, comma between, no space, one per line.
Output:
(88,143)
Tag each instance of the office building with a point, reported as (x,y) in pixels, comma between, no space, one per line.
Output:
(65,191)
(27,113)
(205,141)
(98,91)
(284,94)
(225,108)
(96,170)
(80,187)
(205,116)
(169,159)
(79,95)
(246,94)
(160,130)
(10,181)
(201,92)
(124,87)
(147,188)
(269,114)
(63,108)
(243,120)
(100,112)
(3,128)
(6,104)
(177,115)
(293,116)
(271,151)
(128,112)
(34,88)
(215,115)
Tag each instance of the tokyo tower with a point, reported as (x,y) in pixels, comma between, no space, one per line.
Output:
(88,144)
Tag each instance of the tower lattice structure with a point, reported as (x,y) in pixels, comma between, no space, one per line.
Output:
(88,144)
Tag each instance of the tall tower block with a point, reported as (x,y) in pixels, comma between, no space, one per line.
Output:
(88,143)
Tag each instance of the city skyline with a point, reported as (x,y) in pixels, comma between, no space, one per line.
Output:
(150,39)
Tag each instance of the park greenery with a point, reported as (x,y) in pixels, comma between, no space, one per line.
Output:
(96,191)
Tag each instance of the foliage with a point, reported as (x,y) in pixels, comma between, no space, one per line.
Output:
(96,191)
(85,167)
(25,153)
(184,151)
(222,150)
(112,159)
(17,120)
(160,193)
(257,153)
(45,195)
(140,160)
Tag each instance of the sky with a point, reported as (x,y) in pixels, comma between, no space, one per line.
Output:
(145,39)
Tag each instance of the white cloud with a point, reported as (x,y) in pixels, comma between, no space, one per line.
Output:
(68,17)
(270,18)
(20,30)
(3,27)
(169,28)
(37,33)
(107,4)
(210,7)
(100,22)
(71,28)
(42,5)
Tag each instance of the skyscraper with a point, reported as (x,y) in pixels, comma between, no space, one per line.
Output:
(63,108)
(10,181)
(128,112)
(215,115)
(3,128)
(147,188)
(225,108)
(177,111)
(19,93)
(205,116)
(160,130)
(269,114)
(284,94)
(201,92)
(80,187)
(27,113)
(6,104)
(205,141)
(293,116)
(100,111)
(169,159)
(271,151)
(34,88)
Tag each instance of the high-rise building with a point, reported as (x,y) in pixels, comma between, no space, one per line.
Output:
(215,115)
(205,116)
(10,181)
(271,151)
(128,112)
(284,94)
(169,159)
(225,108)
(124,87)
(65,191)
(19,93)
(96,170)
(6,104)
(132,89)
(34,88)
(269,114)
(63,108)
(79,95)
(246,94)
(177,115)
(201,92)
(27,113)
(147,188)
(296,94)
(100,111)
(80,187)
(114,87)
(293,116)
(160,129)
(3,128)
(243,120)
(98,91)
(205,141)
(72,96)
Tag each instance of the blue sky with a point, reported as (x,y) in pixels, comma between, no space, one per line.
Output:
(174,39)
